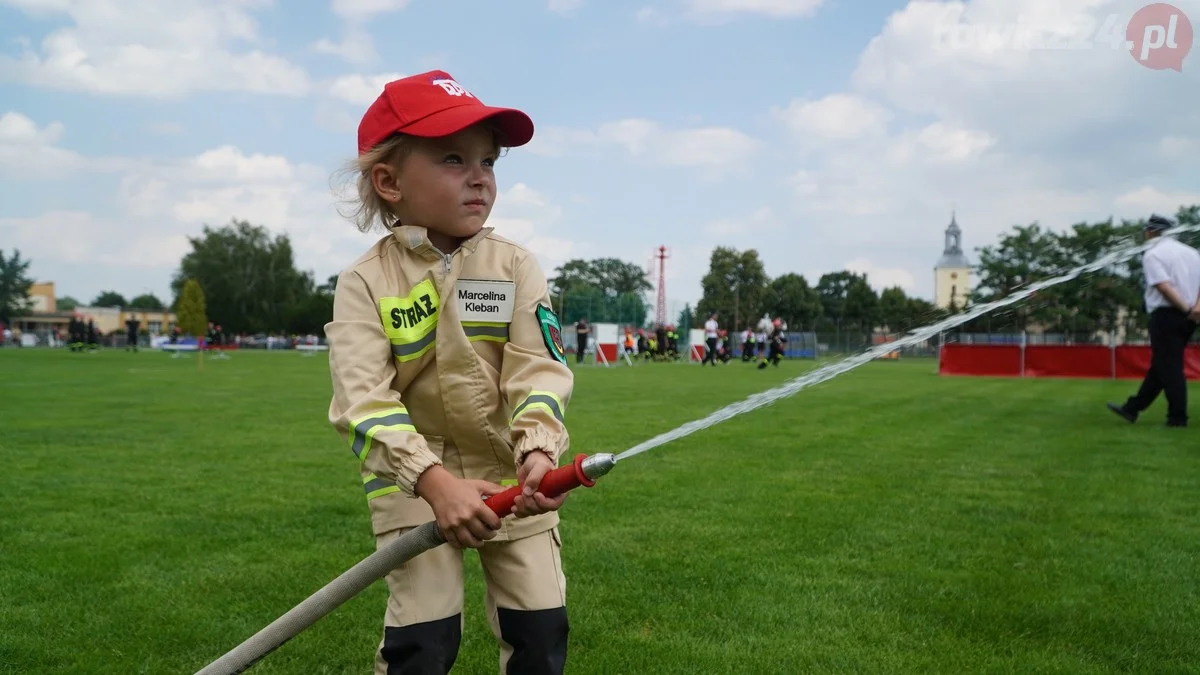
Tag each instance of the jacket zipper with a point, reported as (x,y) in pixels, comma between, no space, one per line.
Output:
(445,263)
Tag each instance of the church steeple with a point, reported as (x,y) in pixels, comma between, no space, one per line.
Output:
(952,274)
(952,253)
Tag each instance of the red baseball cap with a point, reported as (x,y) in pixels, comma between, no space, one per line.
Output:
(432,105)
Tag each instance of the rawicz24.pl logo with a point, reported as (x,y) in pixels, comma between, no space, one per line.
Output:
(1157,36)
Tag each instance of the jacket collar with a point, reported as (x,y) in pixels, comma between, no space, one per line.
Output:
(416,239)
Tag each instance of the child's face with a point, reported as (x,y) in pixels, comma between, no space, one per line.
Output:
(448,185)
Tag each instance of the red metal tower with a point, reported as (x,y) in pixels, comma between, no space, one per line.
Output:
(660,315)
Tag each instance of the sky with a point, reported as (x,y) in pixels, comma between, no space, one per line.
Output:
(826,134)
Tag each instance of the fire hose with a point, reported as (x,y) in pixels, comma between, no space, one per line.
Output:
(583,471)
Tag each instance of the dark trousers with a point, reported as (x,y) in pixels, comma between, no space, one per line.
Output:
(711,354)
(1170,331)
(581,347)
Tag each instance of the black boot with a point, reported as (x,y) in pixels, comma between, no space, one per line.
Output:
(538,639)
(428,648)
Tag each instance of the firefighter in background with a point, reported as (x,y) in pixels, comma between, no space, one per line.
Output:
(760,337)
(131,333)
(776,341)
(724,347)
(74,331)
(672,343)
(747,345)
(444,400)
(93,336)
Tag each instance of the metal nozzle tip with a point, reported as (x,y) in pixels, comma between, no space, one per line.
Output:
(598,464)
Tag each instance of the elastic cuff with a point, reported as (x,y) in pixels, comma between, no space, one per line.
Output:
(411,469)
(540,439)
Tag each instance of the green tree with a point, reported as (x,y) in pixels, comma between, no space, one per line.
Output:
(861,307)
(1026,255)
(147,301)
(313,309)
(894,309)
(191,312)
(66,303)
(687,318)
(791,298)
(249,278)
(735,287)
(604,290)
(920,312)
(14,286)
(109,299)
(831,289)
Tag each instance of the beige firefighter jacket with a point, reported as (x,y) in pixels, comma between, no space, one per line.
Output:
(454,360)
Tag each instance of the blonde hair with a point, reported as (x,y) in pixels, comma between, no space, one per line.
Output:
(366,208)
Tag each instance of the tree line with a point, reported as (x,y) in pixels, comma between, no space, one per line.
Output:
(250,284)
(738,289)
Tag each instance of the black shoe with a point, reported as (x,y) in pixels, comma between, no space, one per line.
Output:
(1177,423)
(1120,410)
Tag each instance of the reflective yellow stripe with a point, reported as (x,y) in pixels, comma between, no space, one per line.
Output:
(486,331)
(411,321)
(375,486)
(363,429)
(545,400)
(508,482)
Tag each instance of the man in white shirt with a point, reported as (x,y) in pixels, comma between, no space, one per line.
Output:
(710,339)
(1172,272)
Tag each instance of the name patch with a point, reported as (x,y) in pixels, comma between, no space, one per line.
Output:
(482,300)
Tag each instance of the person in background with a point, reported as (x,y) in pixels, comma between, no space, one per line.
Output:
(131,333)
(582,329)
(710,340)
(1172,297)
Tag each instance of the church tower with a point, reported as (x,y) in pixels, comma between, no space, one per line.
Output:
(952,274)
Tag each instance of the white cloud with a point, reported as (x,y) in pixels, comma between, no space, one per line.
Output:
(563,6)
(152,49)
(881,277)
(360,90)
(836,117)
(360,9)
(773,8)
(356,46)
(526,216)
(711,147)
(759,221)
(29,152)
(1147,199)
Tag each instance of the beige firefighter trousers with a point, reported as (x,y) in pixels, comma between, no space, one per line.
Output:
(524,574)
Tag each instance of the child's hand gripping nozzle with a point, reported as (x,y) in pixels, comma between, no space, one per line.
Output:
(584,470)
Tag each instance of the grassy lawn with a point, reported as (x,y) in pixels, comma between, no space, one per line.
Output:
(153,516)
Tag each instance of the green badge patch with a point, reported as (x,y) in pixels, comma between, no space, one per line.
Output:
(551,333)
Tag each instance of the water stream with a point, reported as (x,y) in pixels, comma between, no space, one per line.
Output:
(919,335)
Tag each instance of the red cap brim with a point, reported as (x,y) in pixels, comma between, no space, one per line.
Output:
(515,126)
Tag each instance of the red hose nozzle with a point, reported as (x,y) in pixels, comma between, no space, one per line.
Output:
(583,471)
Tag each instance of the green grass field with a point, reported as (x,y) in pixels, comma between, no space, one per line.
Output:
(153,516)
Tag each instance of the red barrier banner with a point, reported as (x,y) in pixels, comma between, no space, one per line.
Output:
(1068,361)
(996,360)
(1087,361)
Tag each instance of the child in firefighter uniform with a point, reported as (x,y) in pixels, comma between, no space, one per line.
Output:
(450,380)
